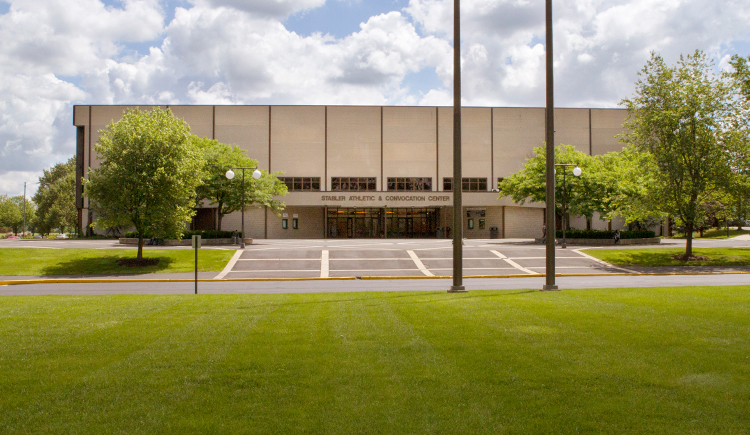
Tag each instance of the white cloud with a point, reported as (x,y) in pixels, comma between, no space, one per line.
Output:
(55,54)
(263,8)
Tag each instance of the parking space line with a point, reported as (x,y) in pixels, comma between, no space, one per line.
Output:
(419,264)
(324,265)
(514,264)
(228,268)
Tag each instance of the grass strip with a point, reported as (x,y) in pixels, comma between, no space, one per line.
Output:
(715,233)
(637,360)
(652,257)
(36,261)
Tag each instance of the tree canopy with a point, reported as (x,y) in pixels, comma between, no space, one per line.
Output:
(583,193)
(678,116)
(10,214)
(55,198)
(148,175)
(227,194)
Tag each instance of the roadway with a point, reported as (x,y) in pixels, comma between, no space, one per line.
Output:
(326,265)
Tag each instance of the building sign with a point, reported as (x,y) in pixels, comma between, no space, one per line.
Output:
(394,199)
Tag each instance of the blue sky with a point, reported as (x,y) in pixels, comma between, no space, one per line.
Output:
(58,53)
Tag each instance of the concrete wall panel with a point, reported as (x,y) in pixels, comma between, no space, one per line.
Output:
(246,127)
(199,118)
(354,142)
(409,142)
(572,128)
(298,141)
(606,124)
(517,132)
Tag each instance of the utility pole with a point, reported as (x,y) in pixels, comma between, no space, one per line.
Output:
(550,163)
(458,223)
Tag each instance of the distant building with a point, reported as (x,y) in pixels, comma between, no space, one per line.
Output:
(372,172)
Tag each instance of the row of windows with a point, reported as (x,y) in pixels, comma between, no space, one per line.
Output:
(353,184)
(369,184)
(301,184)
(411,184)
(467,184)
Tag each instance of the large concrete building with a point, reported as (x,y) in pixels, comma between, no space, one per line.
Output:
(369,172)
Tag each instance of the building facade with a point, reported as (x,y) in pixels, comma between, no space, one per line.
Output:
(376,171)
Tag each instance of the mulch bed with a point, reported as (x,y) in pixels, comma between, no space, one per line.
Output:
(134,262)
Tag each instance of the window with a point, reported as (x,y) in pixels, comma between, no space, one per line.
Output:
(471,224)
(412,184)
(301,184)
(284,223)
(481,224)
(467,184)
(295,223)
(353,184)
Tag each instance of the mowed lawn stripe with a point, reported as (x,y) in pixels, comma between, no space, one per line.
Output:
(553,354)
(665,360)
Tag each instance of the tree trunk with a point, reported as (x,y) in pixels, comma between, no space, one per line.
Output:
(688,239)
(220,215)
(140,247)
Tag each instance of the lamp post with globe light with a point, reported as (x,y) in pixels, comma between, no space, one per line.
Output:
(577,172)
(256,175)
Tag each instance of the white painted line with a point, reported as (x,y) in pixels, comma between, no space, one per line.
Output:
(419,264)
(230,265)
(604,263)
(324,267)
(514,264)
(279,259)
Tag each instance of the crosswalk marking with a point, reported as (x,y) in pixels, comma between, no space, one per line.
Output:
(324,266)
(419,264)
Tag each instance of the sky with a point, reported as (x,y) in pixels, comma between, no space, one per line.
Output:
(59,53)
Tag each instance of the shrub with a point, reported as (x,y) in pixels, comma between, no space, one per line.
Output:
(599,234)
(205,234)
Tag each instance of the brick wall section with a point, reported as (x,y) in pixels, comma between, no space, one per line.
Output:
(311,224)
(521,222)
(254,222)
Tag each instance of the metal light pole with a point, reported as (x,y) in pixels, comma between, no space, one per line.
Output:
(550,163)
(24,210)
(577,172)
(256,175)
(458,223)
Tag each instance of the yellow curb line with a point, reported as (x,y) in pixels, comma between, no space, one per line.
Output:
(110,281)
(343,278)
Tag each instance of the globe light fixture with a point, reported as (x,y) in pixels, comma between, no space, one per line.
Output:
(230,175)
(577,172)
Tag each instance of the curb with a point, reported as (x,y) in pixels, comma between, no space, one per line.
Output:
(343,278)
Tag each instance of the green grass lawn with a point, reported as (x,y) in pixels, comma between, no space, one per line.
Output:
(20,261)
(663,256)
(714,233)
(620,361)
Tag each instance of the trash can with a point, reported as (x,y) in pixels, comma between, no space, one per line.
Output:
(494,233)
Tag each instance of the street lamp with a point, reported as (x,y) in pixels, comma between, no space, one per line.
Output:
(577,172)
(256,175)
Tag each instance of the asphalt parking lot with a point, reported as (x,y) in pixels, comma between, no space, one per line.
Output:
(337,258)
(401,258)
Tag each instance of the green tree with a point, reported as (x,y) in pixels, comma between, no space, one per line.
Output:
(582,193)
(624,178)
(9,213)
(677,115)
(227,194)
(148,175)
(55,198)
